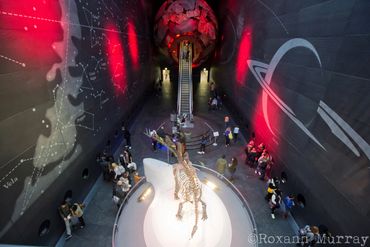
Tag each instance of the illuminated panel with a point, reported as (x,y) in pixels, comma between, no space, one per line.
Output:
(244,53)
(116,59)
(133,45)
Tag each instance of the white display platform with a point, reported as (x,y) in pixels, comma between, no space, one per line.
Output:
(153,223)
(162,228)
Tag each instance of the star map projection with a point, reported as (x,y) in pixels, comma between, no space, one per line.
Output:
(68,72)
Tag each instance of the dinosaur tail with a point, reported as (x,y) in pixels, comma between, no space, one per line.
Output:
(195,227)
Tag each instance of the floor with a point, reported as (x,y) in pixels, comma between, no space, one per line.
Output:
(101,212)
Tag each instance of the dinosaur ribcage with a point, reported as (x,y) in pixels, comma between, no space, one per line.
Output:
(189,185)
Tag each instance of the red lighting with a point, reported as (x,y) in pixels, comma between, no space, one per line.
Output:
(133,45)
(245,48)
(259,123)
(116,59)
(28,28)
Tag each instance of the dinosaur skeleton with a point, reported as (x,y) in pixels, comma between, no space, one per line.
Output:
(188,187)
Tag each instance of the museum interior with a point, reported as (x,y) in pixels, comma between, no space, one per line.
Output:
(197,123)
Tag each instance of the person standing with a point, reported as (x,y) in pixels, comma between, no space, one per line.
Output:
(127,136)
(227,121)
(77,211)
(137,177)
(203,143)
(288,205)
(235,133)
(271,188)
(153,135)
(65,212)
(228,136)
(232,167)
(221,165)
(118,193)
(275,202)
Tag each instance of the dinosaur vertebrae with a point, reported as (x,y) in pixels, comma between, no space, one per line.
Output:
(187,185)
(188,189)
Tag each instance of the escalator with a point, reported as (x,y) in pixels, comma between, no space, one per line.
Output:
(185,89)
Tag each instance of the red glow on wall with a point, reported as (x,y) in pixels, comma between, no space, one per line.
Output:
(28,29)
(244,53)
(259,124)
(116,59)
(133,45)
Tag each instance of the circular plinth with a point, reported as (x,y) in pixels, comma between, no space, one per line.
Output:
(153,223)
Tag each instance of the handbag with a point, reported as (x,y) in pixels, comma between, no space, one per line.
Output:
(230,135)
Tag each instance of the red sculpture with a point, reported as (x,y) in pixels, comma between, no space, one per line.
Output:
(191,20)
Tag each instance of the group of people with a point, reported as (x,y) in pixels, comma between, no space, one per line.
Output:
(124,174)
(276,199)
(222,165)
(69,211)
(260,159)
(121,172)
(215,101)
(186,50)
(230,134)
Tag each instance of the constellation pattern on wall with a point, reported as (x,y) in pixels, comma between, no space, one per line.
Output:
(82,88)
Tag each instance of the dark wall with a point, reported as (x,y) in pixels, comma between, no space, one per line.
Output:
(70,72)
(298,73)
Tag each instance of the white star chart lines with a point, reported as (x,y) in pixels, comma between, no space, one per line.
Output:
(81,118)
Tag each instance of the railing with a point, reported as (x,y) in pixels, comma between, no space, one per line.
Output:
(190,83)
(182,71)
(205,170)
(180,78)
(128,196)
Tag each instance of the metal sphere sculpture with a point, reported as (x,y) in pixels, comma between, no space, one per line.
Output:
(186,20)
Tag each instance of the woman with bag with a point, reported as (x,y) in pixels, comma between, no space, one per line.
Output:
(275,202)
(228,136)
(76,211)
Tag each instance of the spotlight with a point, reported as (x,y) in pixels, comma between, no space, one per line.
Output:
(210,184)
(145,194)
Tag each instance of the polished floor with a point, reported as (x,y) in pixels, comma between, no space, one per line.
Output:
(101,212)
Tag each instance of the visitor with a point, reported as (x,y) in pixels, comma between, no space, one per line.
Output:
(288,205)
(221,165)
(131,167)
(118,193)
(308,236)
(232,167)
(275,202)
(235,133)
(137,178)
(65,212)
(154,137)
(76,211)
(227,121)
(248,150)
(127,136)
(118,170)
(271,188)
(127,158)
(203,143)
(228,136)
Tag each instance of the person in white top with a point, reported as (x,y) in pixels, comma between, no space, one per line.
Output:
(132,167)
(236,132)
(118,170)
